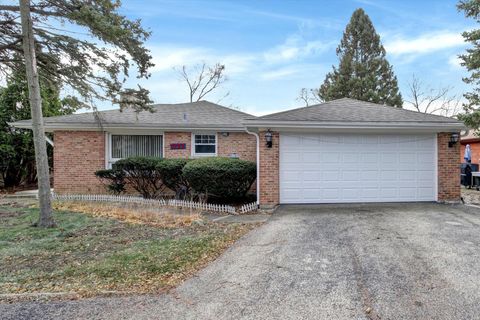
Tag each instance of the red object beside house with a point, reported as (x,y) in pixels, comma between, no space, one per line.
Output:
(474,142)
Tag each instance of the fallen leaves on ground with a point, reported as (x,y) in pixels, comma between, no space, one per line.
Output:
(107,250)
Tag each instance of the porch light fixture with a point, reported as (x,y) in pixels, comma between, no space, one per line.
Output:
(268,138)
(454,137)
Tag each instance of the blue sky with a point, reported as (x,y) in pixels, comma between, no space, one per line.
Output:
(272,49)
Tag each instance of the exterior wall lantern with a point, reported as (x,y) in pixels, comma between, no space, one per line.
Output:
(268,138)
(454,137)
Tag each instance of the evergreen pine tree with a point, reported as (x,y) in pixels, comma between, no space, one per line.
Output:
(363,72)
(471,60)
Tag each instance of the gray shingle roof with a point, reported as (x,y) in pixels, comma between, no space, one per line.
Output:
(351,110)
(201,114)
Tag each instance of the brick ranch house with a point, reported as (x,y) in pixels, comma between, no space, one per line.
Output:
(337,152)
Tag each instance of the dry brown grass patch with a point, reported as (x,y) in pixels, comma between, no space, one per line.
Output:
(157,216)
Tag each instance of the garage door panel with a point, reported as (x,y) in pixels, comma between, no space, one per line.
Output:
(407,193)
(389,175)
(350,194)
(331,194)
(405,175)
(311,194)
(348,175)
(425,175)
(313,176)
(332,168)
(424,157)
(389,157)
(367,184)
(331,157)
(406,157)
(388,193)
(425,193)
(311,157)
(349,157)
(368,175)
(330,175)
(293,157)
(368,193)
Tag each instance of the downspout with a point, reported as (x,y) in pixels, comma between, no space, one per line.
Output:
(258,163)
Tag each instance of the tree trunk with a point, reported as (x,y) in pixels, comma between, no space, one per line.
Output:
(41,158)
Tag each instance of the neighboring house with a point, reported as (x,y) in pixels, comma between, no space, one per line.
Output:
(336,152)
(474,141)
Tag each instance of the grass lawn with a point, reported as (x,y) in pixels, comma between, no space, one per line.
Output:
(90,255)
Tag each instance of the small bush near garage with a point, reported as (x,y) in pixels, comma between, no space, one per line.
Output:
(171,171)
(141,173)
(224,178)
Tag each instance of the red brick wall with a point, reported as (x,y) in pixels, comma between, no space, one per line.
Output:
(77,155)
(178,137)
(448,169)
(269,172)
(241,143)
(475,148)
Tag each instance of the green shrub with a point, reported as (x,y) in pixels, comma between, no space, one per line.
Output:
(221,177)
(141,174)
(172,176)
(114,180)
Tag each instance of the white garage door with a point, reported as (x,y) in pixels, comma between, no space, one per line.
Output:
(340,168)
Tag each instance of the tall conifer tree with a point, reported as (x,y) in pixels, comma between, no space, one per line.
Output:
(471,61)
(363,72)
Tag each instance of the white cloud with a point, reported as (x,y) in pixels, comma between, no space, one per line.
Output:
(455,62)
(278,74)
(425,43)
(295,47)
(236,64)
(166,58)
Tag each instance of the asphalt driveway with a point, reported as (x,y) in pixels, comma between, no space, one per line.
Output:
(399,261)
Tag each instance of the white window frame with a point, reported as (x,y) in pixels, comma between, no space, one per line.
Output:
(194,154)
(108,148)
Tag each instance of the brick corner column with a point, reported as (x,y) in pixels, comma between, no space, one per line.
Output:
(76,157)
(269,172)
(448,169)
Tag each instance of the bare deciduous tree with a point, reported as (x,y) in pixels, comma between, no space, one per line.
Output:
(435,101)
(309,96)
(203,79)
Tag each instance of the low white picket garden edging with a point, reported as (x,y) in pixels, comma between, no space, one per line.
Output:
(156,202)
(249,207)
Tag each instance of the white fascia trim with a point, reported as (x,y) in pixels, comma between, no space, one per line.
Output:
(86,127)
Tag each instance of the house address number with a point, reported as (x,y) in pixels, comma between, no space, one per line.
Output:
(178,146)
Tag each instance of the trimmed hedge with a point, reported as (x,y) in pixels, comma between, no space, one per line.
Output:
(171,171)
(141,174)
(221,177)
(114,180)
